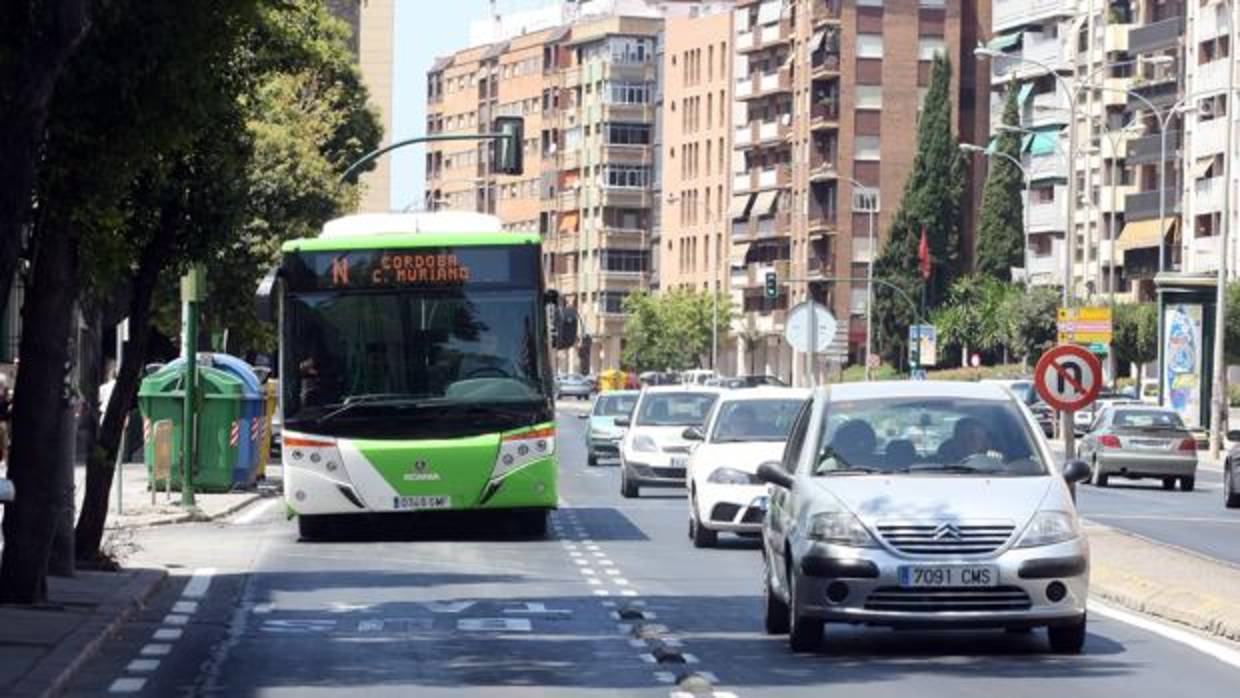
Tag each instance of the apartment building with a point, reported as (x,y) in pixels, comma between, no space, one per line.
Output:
(372,24)
(826,97)
(693,248)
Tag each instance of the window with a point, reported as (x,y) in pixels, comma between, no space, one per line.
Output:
(869,45)
(928,46)
(867,148)
(632,261)
(628,92)
(630,49)
(869,97)
(612,301)
(626,176)
(628,134)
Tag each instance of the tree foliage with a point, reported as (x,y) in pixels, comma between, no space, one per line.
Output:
(1000,230)
(672,331)
(1135,332)
(987,315)
(932,200)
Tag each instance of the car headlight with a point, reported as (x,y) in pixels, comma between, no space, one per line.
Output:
(1048,528)
(840,528)
(645,444)
(732,476)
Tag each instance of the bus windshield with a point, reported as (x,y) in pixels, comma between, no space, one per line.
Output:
(427,362)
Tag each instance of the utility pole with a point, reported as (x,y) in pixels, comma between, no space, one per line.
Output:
(1218,401)
(193,289)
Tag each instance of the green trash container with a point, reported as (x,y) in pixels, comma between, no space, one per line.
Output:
(161,397)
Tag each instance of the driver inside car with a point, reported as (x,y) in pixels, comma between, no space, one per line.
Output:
(969,438)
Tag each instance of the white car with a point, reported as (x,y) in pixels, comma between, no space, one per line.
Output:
(746,429)
(654,451)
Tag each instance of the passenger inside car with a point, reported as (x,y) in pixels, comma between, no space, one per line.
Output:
(969,438)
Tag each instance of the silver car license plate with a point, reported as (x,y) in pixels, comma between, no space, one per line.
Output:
(1148,444)
(938,576)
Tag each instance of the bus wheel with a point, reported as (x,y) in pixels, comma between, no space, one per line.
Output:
(533,523)
(312,527)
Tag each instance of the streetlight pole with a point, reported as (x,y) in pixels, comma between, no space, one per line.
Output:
(1218,402)
(871,200)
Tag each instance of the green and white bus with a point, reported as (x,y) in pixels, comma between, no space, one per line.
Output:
(415,369)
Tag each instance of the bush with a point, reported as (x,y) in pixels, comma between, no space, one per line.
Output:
(1233,395)
(856,373)
(1007,372)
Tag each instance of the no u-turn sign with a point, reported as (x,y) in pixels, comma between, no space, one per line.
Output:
(1068,378)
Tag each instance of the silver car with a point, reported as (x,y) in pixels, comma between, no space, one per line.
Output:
(922,504)
(1138,441)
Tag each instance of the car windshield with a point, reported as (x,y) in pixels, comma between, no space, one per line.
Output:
(754,420)
(675,409)
(927,436)
(1147,419)
(614,405)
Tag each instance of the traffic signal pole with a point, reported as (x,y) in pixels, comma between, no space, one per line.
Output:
(192,291)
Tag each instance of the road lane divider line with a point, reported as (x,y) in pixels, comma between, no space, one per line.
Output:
(1221,652)
(198,583)
(138,666)
(127,685)
(167,634)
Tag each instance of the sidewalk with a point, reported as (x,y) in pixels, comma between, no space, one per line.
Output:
(137,510)
(1164,581)
(41,648)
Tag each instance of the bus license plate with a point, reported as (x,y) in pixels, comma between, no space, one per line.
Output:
(956,576)
(435,501)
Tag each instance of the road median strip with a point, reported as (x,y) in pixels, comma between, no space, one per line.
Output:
(1165,582)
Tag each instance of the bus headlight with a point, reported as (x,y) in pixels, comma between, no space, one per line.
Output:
(519,450)
(314,453)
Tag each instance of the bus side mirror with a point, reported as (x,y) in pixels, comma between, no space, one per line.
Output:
(264,302)
(507,152)
(566,321)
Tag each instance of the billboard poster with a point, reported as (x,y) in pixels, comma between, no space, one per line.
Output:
(923,345)
(1182,352)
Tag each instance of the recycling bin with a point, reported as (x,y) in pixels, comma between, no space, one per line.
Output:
(162,396)
(251,418)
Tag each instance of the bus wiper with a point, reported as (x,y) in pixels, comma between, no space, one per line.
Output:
(353,401)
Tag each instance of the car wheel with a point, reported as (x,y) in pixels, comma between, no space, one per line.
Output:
(1231,498)
(628,490)
(1168,483)
(702,537)
(1188,483)
(804,632)
(775,621)
(1068,639)
(1098,478)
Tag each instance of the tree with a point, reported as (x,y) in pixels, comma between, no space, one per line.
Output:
(1035,317)
(1231,340)
(121,114)
(1135,330)
(292,116)
(672,331)
(37,37)
(1000,230)
(972,317)
(931,201)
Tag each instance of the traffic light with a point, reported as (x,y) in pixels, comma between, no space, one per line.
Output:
(507,152)
(772,285)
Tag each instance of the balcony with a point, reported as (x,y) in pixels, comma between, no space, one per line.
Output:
(861,252)
(741,182)
(764,36)
(1115,91)
(1046,268)
(570,200)
(1053,166)
(1155,36)
(772,131)
(1048,109)
(1207,195)
(1034,47)
(824,116)
(1203,254)
(1211,23)
(1211,77)
(825,11)
(822,166)
(629,113)
(1208,138)
(1160,91)
(760,227)
(821,221)
(1143,206)
(742,136)
(1112,199)
(626,198)
(1147,150)
(1049,216)
(1008,14)
(626,154)
(743,89)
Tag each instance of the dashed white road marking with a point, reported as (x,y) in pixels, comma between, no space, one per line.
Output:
(176,619)
(167,634)
(142,665)
(255,513)
(588,571)
(628,592)
(185,607)
(370,625)
(127,685)
(199,583)
(620,581)
(602,592)
(155,649)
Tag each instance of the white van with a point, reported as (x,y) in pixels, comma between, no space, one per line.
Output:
(697,376)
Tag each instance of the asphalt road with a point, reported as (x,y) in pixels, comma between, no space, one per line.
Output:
(467,609)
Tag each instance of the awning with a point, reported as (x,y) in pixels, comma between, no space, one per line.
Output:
(1025,90)
(1143,234)
(1042,141)
(737,256)
(764,205)
(815,42)
(1201,168)
(741,204)
(568,222)
(1005,41)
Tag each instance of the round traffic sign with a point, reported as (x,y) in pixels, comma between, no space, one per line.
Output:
(873,361)
(1068,377)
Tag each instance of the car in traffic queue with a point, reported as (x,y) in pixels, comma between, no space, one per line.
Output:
(1139,441)
(974,527)
(573,385)
(603,435)
(746,429)
(1231,472)
(654,451)
(1083,420)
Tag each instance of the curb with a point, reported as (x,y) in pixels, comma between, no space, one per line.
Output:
(193,516)
(1212,615)
(53,672)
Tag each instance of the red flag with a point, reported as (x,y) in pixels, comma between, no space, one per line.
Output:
(923,255)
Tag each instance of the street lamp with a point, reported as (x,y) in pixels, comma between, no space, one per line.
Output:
(871,195)
(1024,172)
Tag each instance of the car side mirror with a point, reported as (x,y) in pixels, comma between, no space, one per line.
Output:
(693,434)
(265,296)
(773,473)
(1075,471)
(622,421)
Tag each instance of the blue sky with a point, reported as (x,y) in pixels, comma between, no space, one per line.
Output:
(420,36)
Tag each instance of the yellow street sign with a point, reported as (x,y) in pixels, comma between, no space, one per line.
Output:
(1085,325)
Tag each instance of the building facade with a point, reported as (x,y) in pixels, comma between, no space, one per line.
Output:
(826,97)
